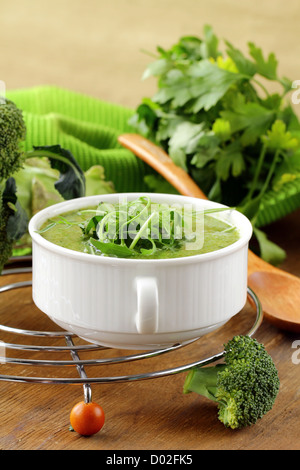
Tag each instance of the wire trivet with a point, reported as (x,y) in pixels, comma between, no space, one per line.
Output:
(80,364)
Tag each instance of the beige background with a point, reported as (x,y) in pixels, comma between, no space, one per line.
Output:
(95,46)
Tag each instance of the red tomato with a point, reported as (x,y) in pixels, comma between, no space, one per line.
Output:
(87,418)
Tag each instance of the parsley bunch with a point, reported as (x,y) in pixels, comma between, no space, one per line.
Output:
(214,116)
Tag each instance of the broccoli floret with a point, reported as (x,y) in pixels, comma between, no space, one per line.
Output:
(12,133)
(245,387)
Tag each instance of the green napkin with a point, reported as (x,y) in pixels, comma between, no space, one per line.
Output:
(86,126)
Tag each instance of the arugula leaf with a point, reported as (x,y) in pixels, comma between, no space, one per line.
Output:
(128,229)
(109,248)
(91,224)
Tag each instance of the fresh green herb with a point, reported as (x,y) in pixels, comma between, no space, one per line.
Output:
(214,115)
(111,249)
(134,227)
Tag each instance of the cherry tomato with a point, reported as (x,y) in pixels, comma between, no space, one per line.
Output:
(87,418)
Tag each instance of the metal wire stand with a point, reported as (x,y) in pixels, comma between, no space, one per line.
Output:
(80,364)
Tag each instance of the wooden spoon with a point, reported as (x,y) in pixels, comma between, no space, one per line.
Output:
(278,291)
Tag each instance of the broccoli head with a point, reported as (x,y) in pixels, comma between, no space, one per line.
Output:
(245,387)
(12,133)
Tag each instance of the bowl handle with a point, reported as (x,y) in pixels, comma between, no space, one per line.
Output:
(147,305)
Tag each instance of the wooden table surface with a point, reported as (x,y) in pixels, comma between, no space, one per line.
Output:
(150,414)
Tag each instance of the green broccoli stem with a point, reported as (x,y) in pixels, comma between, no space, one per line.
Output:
(203,380)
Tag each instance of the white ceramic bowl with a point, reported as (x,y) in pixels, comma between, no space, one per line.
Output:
(139,304)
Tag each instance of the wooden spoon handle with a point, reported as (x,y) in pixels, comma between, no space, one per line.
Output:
(158,159)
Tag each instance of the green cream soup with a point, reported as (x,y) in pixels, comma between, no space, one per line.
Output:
(140,230)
